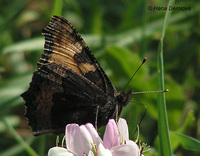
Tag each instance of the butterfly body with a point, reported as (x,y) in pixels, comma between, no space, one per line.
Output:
(69,85)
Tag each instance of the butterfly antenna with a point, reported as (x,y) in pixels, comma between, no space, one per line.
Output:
(144,92)
(144,60)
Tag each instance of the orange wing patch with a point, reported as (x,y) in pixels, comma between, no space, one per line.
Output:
(62,43)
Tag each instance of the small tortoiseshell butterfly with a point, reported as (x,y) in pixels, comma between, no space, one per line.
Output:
(69,85)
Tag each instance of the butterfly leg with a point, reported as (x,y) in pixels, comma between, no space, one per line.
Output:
(97,112)
(116,110)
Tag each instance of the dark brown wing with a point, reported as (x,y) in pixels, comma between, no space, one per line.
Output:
(65,47)
(58,96)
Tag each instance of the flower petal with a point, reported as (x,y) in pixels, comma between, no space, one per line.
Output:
(123,130)
(102,151)
(59,151)
(95,137)
(91,153)
(70,132)
(84,140)
(78,139)
(111,136)
(128,149)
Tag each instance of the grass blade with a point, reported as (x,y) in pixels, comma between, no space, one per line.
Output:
(16,149)
(163,129)
(29,150)
(57,8)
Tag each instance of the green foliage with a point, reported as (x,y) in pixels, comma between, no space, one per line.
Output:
(186,141)
(120,34)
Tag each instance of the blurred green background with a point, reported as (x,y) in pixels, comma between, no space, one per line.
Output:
(120,33)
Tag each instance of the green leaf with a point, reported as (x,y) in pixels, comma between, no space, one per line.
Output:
(11,90)
(26,45)
(123,64)
(187,142)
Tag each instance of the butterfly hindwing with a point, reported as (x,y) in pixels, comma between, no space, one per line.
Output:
(58,96)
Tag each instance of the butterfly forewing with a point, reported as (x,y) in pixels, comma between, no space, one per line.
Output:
(66,47)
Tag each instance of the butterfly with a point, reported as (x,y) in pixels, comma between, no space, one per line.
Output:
(69,85)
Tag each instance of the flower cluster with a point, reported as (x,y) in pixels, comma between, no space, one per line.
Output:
(84,141)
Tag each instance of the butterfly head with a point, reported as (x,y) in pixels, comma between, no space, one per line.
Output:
(124,97)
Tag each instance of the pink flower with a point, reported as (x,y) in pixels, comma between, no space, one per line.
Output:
(117,139)
(84,141)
